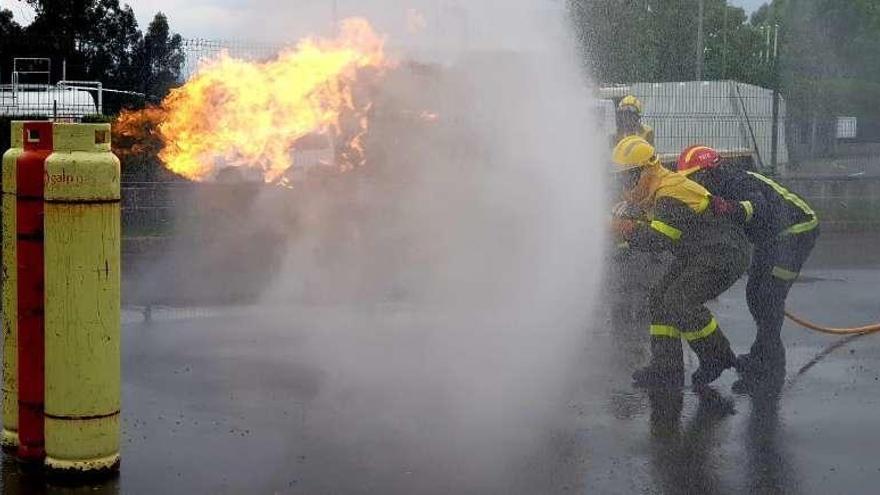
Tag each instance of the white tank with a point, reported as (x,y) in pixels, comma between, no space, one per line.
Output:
(32,100)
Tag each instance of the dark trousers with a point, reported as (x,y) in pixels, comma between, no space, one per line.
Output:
(775,266)
(677,303)
(680,297)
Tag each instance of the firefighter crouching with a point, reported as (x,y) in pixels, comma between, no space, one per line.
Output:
(783,229)
(664,211)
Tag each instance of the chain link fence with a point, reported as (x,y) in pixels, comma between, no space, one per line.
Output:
(39,87)
(782,138)
(833,161)
(199,50)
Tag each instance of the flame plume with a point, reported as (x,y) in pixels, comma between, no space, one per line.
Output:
(250,115)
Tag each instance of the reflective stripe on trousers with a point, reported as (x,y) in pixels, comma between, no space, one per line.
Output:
(784,274)
(665,331)
(672,332)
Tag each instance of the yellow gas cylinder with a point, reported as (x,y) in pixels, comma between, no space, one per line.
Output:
(82,260)
(9,289)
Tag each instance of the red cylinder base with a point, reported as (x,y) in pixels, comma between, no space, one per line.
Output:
(30,454)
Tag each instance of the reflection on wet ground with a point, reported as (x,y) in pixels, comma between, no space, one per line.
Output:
(18,481)
(209,408)
(801,427)
(683,456)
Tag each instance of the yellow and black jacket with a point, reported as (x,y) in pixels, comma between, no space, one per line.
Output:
(769,209)
(645,132)
(679,217)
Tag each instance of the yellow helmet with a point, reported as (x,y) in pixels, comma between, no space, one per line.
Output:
(633,152)
(630,102)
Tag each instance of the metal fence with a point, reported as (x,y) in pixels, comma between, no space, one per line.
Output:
(32,93)
(199,50)
(734,116)
(35,89)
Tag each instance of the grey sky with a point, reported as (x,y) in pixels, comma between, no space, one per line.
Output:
(749,5)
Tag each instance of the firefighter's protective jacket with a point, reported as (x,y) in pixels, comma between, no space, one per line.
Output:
(645,132)
(679,217)
(768,209)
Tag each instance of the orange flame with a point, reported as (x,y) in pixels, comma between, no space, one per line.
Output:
(235,113)
(134,131)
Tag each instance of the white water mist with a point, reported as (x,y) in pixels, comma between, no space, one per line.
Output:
(460,272)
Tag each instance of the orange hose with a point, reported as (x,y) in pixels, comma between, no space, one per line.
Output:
(834,331)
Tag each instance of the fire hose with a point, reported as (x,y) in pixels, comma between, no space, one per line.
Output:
(863,330)
(848,334)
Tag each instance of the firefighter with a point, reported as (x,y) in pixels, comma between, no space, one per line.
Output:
(630,266)
(664,211)
(783,229)
(629,121)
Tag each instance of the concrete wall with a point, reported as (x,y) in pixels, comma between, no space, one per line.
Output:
(844,204)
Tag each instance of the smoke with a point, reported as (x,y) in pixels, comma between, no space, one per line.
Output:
(444,290)
(459,265)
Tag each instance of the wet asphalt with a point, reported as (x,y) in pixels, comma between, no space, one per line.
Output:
(226,401)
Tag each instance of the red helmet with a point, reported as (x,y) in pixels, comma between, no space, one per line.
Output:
(697,157)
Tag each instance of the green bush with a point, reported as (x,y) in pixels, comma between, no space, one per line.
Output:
(97,119)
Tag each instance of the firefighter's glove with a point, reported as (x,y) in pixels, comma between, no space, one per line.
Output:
(724,208)
(622,228)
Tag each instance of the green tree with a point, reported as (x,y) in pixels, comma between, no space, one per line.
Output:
(113,42)
(10,38)
(734,48)
(656,40)
(828,68)
(99,40)
(8,26)
(827,65)
(616,45)
(159,58)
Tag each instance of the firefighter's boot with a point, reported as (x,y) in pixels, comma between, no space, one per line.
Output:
(763,380)
(666,369)
(715,356)
(761,357)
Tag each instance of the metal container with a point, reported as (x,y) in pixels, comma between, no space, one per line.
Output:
(9,291)
(82,241)
(30,168)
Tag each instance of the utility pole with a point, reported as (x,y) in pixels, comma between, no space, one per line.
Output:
(700,40)
(774,71)
(724,53)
